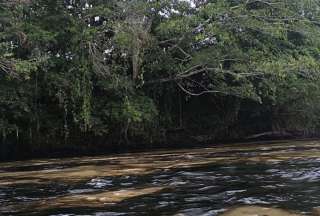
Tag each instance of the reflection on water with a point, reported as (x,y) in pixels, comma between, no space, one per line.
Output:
(202,182)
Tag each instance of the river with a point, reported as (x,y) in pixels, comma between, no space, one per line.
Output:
(188,182)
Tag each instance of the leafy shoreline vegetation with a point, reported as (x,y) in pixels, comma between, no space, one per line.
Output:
(94,75)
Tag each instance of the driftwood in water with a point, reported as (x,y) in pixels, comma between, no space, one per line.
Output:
(316,212)
(257,210)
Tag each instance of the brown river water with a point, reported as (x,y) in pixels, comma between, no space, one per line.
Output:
(188,182)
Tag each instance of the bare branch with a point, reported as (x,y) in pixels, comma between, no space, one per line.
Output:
(201,93)
(197,69)
(7,67)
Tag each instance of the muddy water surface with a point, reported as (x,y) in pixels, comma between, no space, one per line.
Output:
(201,182)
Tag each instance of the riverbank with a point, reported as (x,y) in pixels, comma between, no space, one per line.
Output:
(98,149)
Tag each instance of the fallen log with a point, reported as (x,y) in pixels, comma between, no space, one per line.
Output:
(271,134)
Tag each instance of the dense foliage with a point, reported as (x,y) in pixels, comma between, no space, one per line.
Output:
(94,74)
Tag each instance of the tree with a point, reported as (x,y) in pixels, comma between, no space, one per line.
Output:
(77,72)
